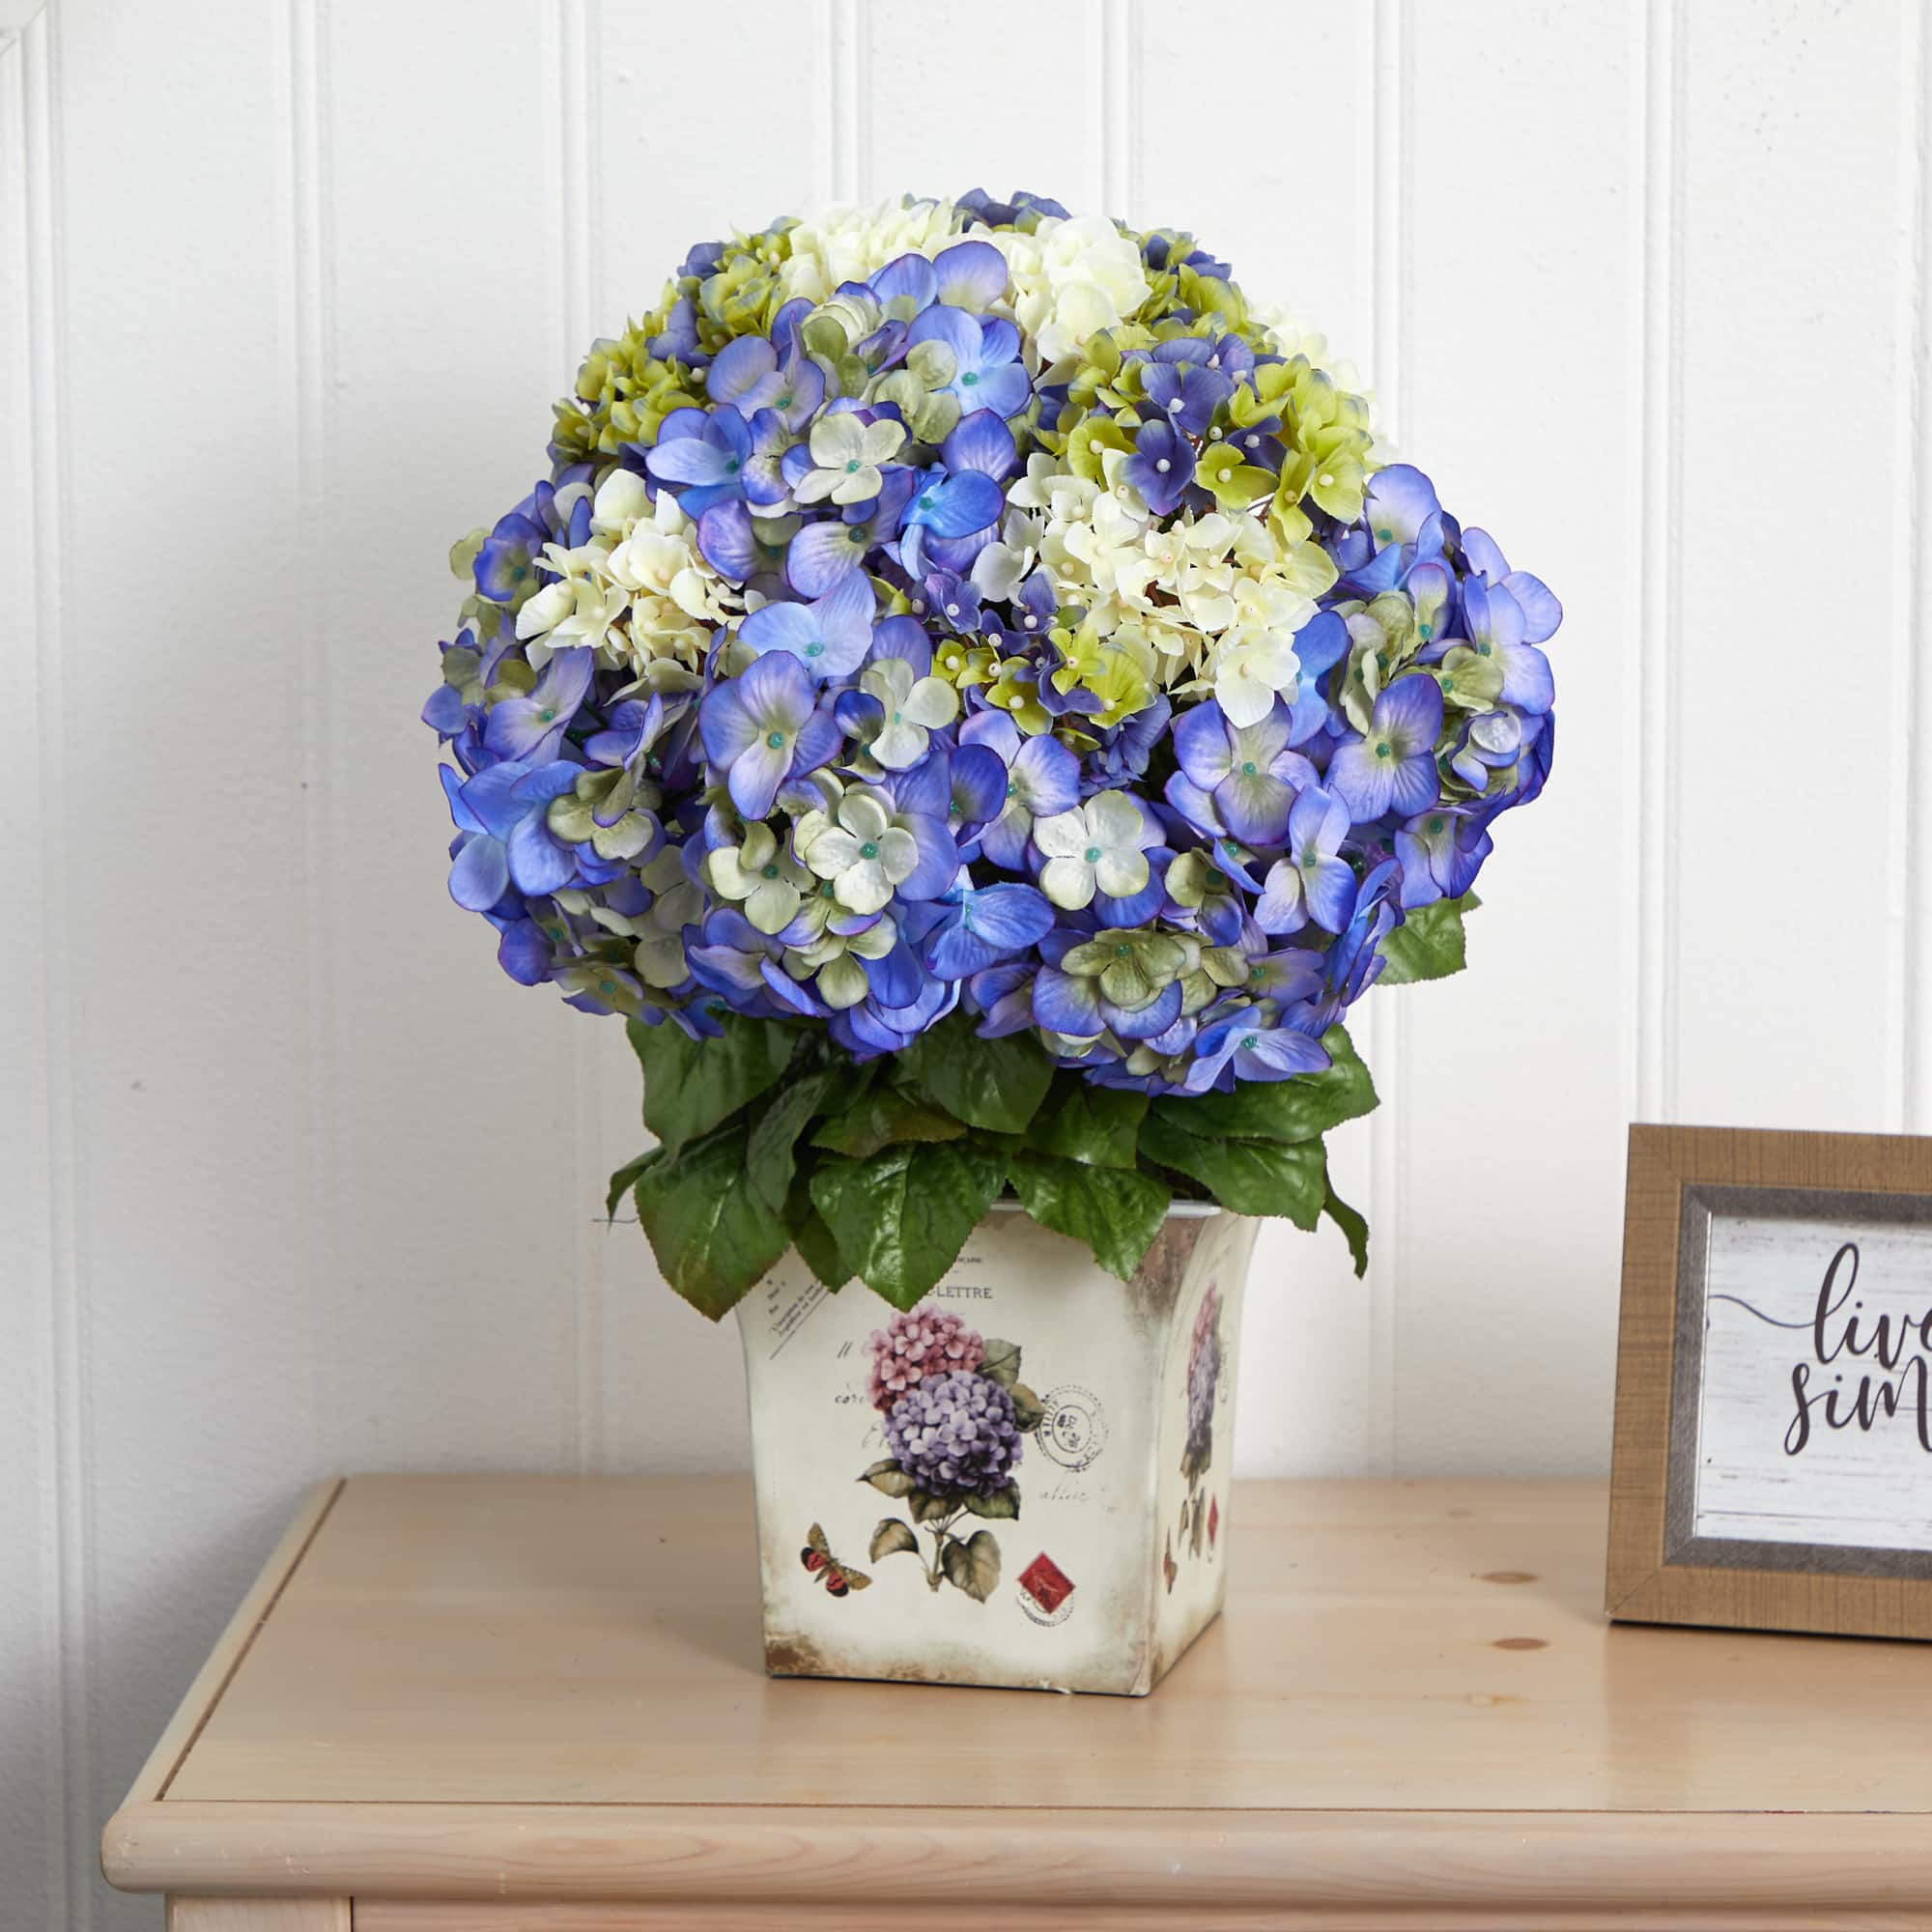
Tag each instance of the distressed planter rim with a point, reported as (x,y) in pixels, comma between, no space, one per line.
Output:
(1177,1211)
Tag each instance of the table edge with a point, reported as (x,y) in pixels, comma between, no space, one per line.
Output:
(774,1855)
(198,1702)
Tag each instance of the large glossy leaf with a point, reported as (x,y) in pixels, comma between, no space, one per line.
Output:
(902,1216)
(626,1178)
(1098,1125)
(1246,1177)
(770,1151)
(1116,1211)
(1428,943)
(713,1236)
(1300,1109)
(693,1085)
(1354,1230)
(996,1084)
(878,1118)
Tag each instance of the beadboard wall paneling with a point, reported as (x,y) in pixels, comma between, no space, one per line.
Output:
(430,325)
(297,1183)
(1506,1224)
(1797,209)
(41,1652)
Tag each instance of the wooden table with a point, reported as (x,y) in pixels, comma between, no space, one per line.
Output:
(534,1704)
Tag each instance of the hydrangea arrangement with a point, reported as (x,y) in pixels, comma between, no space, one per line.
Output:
(970,695)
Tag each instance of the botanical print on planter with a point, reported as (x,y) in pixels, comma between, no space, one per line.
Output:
(955,1412)
(1204,1379)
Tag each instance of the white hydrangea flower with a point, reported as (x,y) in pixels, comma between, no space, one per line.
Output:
(1069,279)
(1100,845)
(761,874)
(849,242)
(1255,661)
(857,847)
(914,707)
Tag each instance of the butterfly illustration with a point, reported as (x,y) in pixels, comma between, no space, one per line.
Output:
(838,1578)
(1169,1569)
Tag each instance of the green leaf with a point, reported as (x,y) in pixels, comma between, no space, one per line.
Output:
(1281,1110)
(712,1236)
(901,1217)
(1096,1125)
(814,1240)
(769,1157)
(889,1477)
(1116,1212)
(1004,1503)
(692,1084)
(890,1538)
(1027,1409)
(878,1120)
(1352,1224)
(926,1507)
(996,1084)
(1428,945)
(1246,1177)
(626,1178)
(1002,1363)
(974,1566)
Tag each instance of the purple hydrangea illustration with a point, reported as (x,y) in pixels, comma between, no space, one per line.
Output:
(1204,1376)
(956,1433)
(955,1412)
(921,1342)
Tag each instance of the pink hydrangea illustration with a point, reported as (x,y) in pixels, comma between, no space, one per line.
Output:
(924,1341)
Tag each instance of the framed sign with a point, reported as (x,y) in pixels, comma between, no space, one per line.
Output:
(1773,1467)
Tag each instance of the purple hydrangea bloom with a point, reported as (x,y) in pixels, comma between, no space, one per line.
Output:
(1161,468)
(955,1435)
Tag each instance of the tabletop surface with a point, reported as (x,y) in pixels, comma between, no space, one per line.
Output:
(452,1651)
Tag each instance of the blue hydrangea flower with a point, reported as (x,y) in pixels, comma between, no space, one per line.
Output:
(987,374)
(1393,765)
(829,637)
(1248,770)
(762,727)
(503,835)
(853,703)
(1311,880)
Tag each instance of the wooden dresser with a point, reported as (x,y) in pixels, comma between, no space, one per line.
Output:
(536,1704)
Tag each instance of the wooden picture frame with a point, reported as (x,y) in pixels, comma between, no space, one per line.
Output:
(1687,1188)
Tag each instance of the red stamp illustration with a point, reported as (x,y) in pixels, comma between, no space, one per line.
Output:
(1046,1583)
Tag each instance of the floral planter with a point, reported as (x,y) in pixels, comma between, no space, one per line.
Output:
(1022,1483)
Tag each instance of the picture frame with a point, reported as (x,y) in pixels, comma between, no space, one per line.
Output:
(1772,1466)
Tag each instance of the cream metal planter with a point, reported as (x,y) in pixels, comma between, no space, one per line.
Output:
(1119,1401)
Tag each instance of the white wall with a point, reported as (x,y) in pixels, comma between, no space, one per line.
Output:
(297,1182)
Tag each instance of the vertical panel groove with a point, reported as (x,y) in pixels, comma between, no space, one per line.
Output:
(73,1634)
(1910,689)
(1119,80)
(36,1336)
(1388,1130)
(304,258)
(847,106)
(1658,684)
(573,40)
